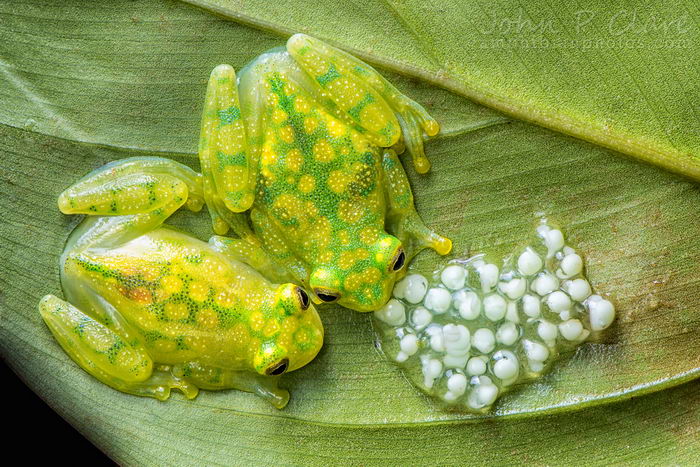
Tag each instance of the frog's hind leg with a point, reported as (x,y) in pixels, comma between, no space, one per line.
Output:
(372,104)
(402,219)
(229,174)
(116,360)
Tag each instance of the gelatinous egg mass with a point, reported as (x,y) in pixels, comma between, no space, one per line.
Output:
(475,329)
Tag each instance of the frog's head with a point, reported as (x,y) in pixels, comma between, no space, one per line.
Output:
(360,278)
(292,334)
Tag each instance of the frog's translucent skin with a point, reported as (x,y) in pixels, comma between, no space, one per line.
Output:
(477,330)
(299,159)
(150,309)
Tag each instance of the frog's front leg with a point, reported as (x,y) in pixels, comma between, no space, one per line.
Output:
(229,173)
(211,378)
(131,186)
(365,98)
(116,360)
(136,194)
(402,219)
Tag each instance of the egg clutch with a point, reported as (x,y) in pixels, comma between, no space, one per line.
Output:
(476,329)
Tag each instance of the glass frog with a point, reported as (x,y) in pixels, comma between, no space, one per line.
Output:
(299,158)
(150,309)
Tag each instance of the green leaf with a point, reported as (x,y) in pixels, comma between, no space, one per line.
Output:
(84,84)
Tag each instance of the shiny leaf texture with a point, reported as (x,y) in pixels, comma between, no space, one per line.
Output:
(84,84)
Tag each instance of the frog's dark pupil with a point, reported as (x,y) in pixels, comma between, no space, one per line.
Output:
(400,259)
(278,369)
(303,298)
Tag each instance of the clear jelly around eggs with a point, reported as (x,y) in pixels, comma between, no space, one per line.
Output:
(476,329)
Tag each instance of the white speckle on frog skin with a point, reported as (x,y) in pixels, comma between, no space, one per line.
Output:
(477,329)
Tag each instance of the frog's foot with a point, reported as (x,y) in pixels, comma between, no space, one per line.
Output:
(372,104)
(212,378)
(229,178)
(122,364)
(402,219)
(133,186)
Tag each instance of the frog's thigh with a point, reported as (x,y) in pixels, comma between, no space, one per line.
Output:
(229,175)
(212,378)
(369,100)
(249,251)
(118,362)
(131,186)
(402,218)
(274,245)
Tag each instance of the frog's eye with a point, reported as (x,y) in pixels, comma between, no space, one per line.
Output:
(303,298)
(326,295)
(278,368)
(399,260)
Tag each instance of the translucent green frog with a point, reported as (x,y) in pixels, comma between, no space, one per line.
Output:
(309,150)
(150,309)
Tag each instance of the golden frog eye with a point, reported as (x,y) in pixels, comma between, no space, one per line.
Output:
(278,368)
(399,260)
(303,298)
(326,295)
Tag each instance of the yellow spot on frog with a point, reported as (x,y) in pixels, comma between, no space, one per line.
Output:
(269,156)
(294,159)
(306,183)
(336,128)
(301,105)
(287,134)
(310,124)
(272,327)
(171,285)
(344,237)
(234,177)
(279,116)
(288,207)
(311,210)
(257,321)
(240,334)
(369,235)
(326,257)
(338,181)
(301,337)
(373,118)
(226,298)
(323,151)
(350,212)
(164,345)
(207,318)
(369,276)
(199,291)
(176,311)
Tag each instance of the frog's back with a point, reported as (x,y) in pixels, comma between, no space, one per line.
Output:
(318,176)
(175,290)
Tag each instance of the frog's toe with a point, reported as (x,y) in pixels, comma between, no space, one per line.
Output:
(415,121)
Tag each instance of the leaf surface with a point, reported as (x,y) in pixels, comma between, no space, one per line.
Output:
(84,84)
